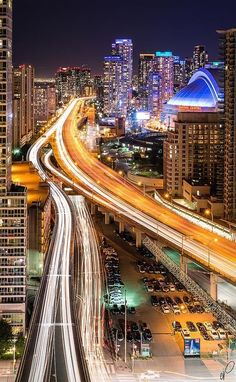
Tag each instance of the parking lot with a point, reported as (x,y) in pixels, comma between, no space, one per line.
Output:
(162,307)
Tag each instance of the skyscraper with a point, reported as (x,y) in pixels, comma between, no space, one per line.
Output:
(112,85)
(200,57)
(145,66)
(13,207)
(228,52)
(154,94)
(73,81)
(124,49)
(163,64)
(44,100)
(179,74)
(23,105)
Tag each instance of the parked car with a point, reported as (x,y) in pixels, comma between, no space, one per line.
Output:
(115,309)
(147,335)
(177,326)
(222,334)
(214,334)
(191,326)
(131,310)
(176,309)
(165,309)
(208,325)
(185,333)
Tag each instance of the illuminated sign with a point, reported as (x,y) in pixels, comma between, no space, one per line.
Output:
(192,347)
(164,54)
(142,115)
(190,108)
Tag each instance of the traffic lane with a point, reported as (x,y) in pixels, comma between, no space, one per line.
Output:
(129,193)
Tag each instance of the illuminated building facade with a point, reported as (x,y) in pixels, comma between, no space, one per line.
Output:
(118,70)
(145,67)
(200,57)
(44,100)
(112,85)
(23,105)
(154,94)
(179,74)
(73,81)
(163,64)
(194,149)
(13,205)
(228,53)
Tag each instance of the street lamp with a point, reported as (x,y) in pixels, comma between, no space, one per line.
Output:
(209,252)
(208,212)
(144,187)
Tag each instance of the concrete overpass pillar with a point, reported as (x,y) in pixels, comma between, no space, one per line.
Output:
(184,263)
(121,226)
(138,238)
(93,209)
(213,286)
(107,218)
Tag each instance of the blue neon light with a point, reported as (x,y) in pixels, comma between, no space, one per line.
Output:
(163,54)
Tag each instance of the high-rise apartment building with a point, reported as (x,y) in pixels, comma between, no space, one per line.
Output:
(163,64)
(44,100)
(13,206)
(200,57)
(188,69)
(179,74)
(154,94)
(145,67)
(124,49)
(228,53)
(23,105)
(73,81)
(112,104)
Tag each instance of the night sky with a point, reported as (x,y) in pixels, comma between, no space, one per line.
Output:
(53,33)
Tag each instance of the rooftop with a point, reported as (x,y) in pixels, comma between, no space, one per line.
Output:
(23,174)
(202,92)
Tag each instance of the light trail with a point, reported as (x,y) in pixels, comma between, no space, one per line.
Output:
(225,265)
(90,292)
(57,295)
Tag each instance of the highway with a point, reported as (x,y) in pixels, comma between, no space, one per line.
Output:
(89,292)
(83,168)
(52,345)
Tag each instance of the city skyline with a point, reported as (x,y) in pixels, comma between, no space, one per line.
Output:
(47,45)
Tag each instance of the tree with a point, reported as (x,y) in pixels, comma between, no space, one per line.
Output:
(5,337)
(20,345)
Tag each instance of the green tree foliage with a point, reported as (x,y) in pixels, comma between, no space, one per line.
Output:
(5,337)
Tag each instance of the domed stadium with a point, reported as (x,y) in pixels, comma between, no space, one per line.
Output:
(201,94)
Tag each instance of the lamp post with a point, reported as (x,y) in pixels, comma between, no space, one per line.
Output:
(208,212)
(209,252)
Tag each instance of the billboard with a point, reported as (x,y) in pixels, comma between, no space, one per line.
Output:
(192,347)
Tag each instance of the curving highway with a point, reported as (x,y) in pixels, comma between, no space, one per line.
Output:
(51,347)
(83,168)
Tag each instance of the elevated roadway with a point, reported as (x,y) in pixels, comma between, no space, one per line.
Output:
(218,253)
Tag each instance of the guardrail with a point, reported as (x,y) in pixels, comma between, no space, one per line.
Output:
(221,315)
(191,216)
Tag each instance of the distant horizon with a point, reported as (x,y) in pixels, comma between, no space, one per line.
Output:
(82,34)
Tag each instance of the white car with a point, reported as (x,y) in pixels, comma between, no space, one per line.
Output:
(214,334)
(185,333)
(165,309)
(176,309)
(172,287)
(208,325)
(222,334)
(150,288)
